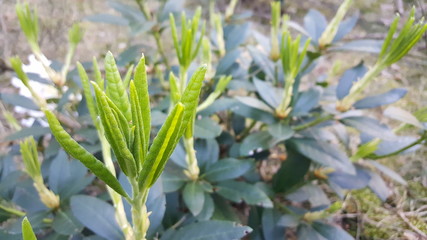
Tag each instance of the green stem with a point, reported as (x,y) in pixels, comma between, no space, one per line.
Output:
(247,130)
(119,209)
(284,108)
(182,78)
(139,211)
(313,123)
(21,213)
(160,48)
(67,62)
(276,73)
(420,140)
(358,87)
(193,170)
(143,8)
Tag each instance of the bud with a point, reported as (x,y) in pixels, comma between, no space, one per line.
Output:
(331,30)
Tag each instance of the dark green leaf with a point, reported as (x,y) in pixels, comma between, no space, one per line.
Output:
(289,220)
(263,62)
(253,113)
(378,186)
(350,181)
(364,45)
(157,118)
(254,103)
(256,142)
(206,128)
(306,101)
(226,62)
(96,215)
(370,126)
(280,131)
(388,172)
(350,77)
(331,232)
(241,191)
(346,26)
(270,94)
(387,147)
(36,132)
(381,99)
(18,100)
(66,224)
(403,116)
(270,227)
(227,169)
(67,177)
(312,193)
(307,232)
(314,23)
(210,230)
(208,208)
(323,153)
(194,197)
(156,204)
(291,172)
(235,35)
(173,179)
(207,152)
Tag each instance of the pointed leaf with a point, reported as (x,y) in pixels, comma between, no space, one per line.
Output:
(331,232)
(227,169)
(115,87)
(81,154)
(403,116)
(194,197)
(242,191)
(291,172)
(349,77)
(388,172)
(280,131)
(314,23)
(210,230)
(381,99)
(140,141)
(96,215)
(88,93)
(269,94)
(190,97)
(323,153)
(163,145)
(27,230)
(115,134)
(255,103)
(370,126)
(141,85)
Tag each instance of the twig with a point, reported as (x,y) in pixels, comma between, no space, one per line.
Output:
(406,220)
(313,123)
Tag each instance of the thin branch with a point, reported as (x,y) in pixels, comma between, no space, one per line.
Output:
(406,220)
